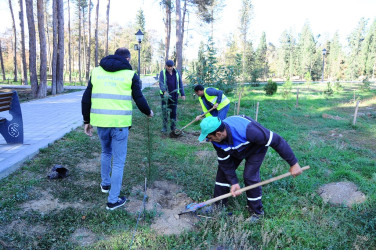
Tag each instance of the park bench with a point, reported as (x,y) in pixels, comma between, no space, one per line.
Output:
(11,130)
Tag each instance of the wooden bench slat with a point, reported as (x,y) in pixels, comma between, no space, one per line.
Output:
(4,103)
(5,108)
(6,94)
(5,99)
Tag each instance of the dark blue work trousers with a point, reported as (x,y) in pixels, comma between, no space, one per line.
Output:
(251,176)
(169,105)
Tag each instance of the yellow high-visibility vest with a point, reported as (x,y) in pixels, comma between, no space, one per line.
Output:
(111,98)
(213,100)
(165,79)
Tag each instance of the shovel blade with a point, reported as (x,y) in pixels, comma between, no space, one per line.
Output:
(191,208)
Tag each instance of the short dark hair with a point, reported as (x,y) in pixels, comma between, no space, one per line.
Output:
(221,128)
(198,87)
(123,52)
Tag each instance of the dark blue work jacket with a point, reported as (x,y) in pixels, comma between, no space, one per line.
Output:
(247,137)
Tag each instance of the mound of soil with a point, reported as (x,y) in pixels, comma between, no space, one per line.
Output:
(166,200)
(341,193)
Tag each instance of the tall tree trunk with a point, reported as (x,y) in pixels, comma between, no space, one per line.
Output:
(49,54)
(108,24)
(89,46)
(79,44)
(32,48)
(96,34)
(69,44)
(24,65)
(15,43)
(84,43)
(179,45)
(42,88)
(2,62)
(182,34)
(54,47)
(60,46)
(167,28)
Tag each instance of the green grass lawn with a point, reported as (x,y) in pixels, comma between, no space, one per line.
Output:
(295,215)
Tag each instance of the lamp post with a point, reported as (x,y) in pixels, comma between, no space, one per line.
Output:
(139,37)
(323,63)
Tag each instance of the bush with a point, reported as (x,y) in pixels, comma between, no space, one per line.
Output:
(308,79)
(270,88)
(329,91)
(286,88)
(338,87)
(366,87)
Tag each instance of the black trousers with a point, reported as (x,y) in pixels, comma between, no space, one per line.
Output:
(169,105)
(251,176)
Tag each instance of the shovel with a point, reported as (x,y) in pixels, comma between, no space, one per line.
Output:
(178,132)
(193,207)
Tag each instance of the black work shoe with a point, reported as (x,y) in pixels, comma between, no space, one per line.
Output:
(254,218)
(121,201)
(105,189)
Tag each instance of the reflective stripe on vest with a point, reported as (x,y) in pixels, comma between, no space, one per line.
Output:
(213,100)
(111,98)
(165,79)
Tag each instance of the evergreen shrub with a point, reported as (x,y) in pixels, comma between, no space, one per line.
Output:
(286,88)
(270,88)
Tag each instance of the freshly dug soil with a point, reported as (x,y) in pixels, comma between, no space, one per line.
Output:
(341,193)
(166,200)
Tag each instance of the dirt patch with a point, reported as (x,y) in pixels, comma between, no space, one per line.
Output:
(341,193)
(48,203)
(23,229)
(83,237)
(326,116)
(91,165)
(166,200)
(190,138)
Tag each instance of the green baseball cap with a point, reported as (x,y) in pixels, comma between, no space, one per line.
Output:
(208,125)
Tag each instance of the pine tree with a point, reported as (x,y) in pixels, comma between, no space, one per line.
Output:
(355,66)
(306,51)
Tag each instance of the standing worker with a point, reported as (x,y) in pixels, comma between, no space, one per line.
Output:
(107,104)
(237,138)
(171,86)
(212,98)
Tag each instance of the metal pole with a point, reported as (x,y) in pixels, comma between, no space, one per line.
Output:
(323,63)
(139,50)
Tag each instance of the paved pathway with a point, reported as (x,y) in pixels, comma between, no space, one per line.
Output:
(45,121)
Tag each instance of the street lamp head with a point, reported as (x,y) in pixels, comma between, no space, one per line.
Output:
(139,36)
(324,52)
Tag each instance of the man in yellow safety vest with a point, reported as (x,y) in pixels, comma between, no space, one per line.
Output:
(107,104)
(171,86)
(212,98)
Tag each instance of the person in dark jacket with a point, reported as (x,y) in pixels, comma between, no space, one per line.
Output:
(171,86)
(237,138)
(107,104)
(212,98)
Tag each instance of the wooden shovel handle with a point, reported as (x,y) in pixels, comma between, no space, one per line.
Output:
(195,119)
(205,203)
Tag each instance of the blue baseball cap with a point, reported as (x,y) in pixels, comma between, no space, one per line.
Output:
(170,63)
(208,125)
